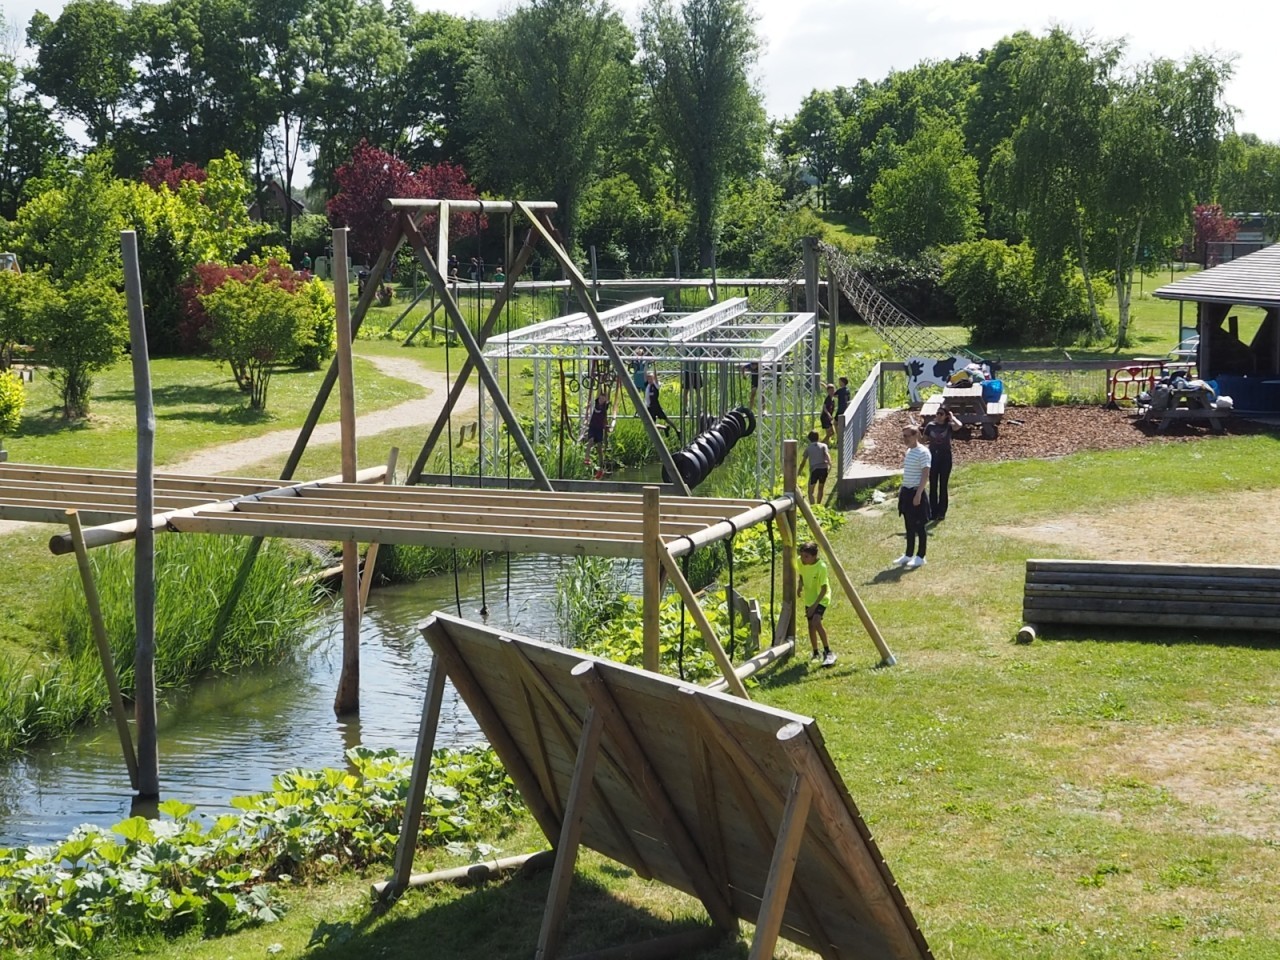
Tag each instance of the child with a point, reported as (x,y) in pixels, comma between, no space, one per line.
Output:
(829,414)
(653,404)
(815,591)
(818,456)
(597,426)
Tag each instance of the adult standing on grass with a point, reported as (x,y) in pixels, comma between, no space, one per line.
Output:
(938,432)
(818,456)
(815,590)
(913,503)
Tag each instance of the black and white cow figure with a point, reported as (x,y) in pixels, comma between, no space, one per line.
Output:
(923,371)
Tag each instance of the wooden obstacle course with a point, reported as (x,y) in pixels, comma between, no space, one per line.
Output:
(1117,593)
(734,803)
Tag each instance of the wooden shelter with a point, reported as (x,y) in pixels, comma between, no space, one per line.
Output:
(735,803)
(1247,372)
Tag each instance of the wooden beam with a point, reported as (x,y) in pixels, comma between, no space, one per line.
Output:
(782,868)
(346,699)
(469,206)
(761,661)
(100,638)
(704,625)
(648,786)
(584,769)
(886,658)
(406,847)
(525,863)
(723,528)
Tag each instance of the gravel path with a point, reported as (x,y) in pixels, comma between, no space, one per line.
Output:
(235,456)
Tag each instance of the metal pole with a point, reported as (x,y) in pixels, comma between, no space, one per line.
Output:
(144,570)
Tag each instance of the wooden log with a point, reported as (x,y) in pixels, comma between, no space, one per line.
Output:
(144,555)
(470,206)
(651,609)
(104,647)
(1088,592)
(886,658)
(1178,621)
(683,944)
(782,868)
(763,660)
(1146,581)
(722,529)
(1129,606)
(1123,568)
(570,835)
(472,873)
(704,625)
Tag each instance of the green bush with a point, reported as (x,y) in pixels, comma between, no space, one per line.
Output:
(913,283)
(323,341)
(13,397)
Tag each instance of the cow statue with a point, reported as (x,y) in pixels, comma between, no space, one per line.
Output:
(922,371)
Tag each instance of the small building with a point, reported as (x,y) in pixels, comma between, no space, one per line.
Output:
(1248,372)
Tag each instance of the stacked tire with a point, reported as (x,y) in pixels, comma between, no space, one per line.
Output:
(697,458)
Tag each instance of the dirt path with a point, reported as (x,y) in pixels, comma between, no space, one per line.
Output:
(230,457)
(235,456)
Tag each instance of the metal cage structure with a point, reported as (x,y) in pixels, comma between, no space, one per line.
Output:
(706,362)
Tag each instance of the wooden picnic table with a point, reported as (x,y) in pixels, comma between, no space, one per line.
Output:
(1191,403)
(968,406)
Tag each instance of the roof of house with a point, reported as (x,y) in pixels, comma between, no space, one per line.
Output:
(1252,280)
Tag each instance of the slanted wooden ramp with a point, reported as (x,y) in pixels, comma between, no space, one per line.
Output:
(735,803)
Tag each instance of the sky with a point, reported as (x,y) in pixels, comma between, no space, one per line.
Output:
(828,43)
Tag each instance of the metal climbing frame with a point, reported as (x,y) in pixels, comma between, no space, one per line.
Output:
(715,359)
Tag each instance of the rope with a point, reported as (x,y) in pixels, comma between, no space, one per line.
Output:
(448,377)
(684,568)
(728,552)
(773,569)
(507,316)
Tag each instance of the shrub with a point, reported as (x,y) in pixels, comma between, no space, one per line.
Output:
(323,339)
(12,399)
(913,283)
(80,329)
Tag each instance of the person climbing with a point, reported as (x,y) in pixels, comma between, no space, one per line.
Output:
(913,500)
(752,370)
(597,430)
(818,456)
(828,418)
(814,587)
(653,403)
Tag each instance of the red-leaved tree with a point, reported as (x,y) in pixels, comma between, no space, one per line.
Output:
(1212,226)
(372,176)
(208,277)
(162,170)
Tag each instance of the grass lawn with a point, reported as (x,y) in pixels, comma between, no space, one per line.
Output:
(1094,796)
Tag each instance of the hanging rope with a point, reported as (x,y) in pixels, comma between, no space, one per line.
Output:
(448,378)
(479,277)
(507,323)
(684,568)
(773,564)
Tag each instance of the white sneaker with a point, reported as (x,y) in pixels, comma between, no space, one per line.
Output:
(902,561)
(914,562)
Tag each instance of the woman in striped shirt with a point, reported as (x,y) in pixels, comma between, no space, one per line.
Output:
(913,501)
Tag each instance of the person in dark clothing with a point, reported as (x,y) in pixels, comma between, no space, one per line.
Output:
(913,504)
(597,428)
(842,396)
(653,403)
(828,418)
(937,432)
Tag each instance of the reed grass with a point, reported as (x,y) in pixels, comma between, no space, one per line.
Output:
(48,696)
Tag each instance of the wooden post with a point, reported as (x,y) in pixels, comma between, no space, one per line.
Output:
(595,275)
(651,609)
(786,851)
(104,646)
(575,809)
(704,625)
(789,471)
(144,562)
(347,698)
(371,552)
(402,866)
(886,658)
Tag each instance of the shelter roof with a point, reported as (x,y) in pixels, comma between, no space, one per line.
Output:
(1252,280)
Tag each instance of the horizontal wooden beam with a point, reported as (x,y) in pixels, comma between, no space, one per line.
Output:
(727,527)
(467,206)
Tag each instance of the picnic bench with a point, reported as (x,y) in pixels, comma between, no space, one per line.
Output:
(1123,594)
(969,407)
(1190,403)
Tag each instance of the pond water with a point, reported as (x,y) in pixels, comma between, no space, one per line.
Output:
(229,736)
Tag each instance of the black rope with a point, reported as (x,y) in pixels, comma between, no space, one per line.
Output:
(773,565)
(448,377)
(728,553)
(684,567)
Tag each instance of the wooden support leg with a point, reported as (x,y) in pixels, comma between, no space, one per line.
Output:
(104,646)
(774,903)
(402,866)
(584,769)
(371,553)
(886,657)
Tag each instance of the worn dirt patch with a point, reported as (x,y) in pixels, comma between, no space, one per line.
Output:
(1235,528)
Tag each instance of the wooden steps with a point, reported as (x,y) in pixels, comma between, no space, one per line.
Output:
(1117,593)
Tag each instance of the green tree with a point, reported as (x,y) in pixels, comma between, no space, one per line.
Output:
(698,63)
(80,328)
(1160,138)
(931,196)
(255,327)
(17,311)
(1249,176)
(29,139)
(1049,170)
(440,48)
(551,84)
(814,136)
(85,64)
